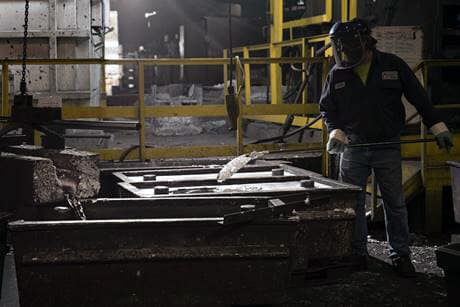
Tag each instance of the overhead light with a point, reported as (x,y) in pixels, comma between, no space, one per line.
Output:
(150,14)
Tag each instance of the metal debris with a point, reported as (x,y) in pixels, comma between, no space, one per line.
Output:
(76,206)
(238,163)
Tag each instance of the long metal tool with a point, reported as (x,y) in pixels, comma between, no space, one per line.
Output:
(239,162)
(391,143)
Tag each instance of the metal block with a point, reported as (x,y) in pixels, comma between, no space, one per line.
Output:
(31,115)
(168,262)
(27,181)
(324,207)
(77,170)
(48,102)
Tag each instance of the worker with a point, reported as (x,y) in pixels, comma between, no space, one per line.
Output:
(361,103)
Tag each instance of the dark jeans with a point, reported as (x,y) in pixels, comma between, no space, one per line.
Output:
(355,167)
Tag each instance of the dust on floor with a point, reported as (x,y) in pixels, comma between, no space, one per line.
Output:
(379,285)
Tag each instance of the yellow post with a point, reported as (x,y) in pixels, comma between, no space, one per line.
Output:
(225,74)
(5,89)
(141,111)
(305,54)
(345,7)
(103,95)
(103,92)
(247,77)
(37,138)
(276,36)
(353,12)
(239,125)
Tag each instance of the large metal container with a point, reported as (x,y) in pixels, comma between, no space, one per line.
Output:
(3,244)
(151,262)
(176,249)
(325,226)
(455,175)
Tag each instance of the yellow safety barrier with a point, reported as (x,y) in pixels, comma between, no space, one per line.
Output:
(141,112)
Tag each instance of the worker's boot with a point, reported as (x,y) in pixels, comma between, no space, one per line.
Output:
(403,266)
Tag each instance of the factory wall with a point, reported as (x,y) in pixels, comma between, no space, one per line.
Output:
(57,29)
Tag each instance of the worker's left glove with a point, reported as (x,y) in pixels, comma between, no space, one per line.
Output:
(443,136)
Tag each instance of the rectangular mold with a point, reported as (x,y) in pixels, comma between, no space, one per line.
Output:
(151,262)
(129,246)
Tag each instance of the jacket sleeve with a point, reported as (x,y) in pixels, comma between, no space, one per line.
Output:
(416,94)
(328,106)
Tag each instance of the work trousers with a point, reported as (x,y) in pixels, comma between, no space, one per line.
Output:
(356,165)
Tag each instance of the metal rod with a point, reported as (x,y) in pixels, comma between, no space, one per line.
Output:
(239,120)
(391,143)
(141,111)
(359,145)
(5,89)
(79,124)
(323,49)
(87,136)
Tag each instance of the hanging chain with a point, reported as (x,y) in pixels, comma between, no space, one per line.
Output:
(23,86)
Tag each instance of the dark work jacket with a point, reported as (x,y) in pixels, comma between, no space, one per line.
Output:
(374,112)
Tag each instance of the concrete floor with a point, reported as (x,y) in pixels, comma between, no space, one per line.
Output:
(9,287)
(383,287)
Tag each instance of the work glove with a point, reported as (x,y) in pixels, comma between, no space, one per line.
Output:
(337,142)
(443,136)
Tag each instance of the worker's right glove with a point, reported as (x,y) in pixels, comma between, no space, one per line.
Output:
(337,141)
(443,136)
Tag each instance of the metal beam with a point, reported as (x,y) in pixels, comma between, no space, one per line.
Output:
(276,36)
(326,17)
(5,91)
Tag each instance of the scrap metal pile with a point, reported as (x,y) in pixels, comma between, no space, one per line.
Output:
(176,236)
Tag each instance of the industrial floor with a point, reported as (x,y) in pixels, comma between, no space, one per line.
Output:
(9,286)
(378,286)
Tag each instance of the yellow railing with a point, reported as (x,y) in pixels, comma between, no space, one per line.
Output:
(302,22)
(141,112)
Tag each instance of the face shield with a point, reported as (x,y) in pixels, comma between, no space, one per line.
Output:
(349,50)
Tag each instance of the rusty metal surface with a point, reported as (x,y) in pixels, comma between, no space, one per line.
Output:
(174,249)
(251,180)
(322,236)
(151,262)
(144,208)
(325,224)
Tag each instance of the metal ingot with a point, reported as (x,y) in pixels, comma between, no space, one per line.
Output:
(278,172)
(307,183)
(150,177)
(161,190)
